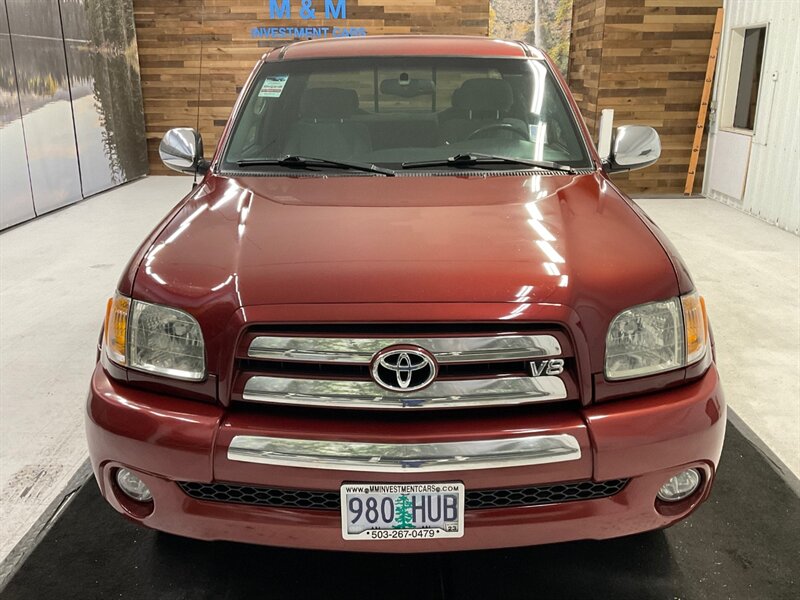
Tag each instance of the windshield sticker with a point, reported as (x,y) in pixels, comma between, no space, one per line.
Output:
(536,130)
(273,86)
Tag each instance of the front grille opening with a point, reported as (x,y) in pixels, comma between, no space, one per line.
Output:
(543,494)
(261,496)
(443,418)
(362,373)
(488,361)
(474,499)
(305,369)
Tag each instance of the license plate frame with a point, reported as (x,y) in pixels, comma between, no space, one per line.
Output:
(423,500)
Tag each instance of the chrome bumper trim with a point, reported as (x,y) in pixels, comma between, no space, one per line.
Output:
(403,458)
(455,393)
(445,349)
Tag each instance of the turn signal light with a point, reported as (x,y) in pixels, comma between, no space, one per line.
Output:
(695,326)
(117,328)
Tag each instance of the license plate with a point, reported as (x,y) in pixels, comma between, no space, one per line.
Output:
(400,511)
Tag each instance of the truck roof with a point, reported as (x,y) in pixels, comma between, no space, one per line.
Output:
(403,45)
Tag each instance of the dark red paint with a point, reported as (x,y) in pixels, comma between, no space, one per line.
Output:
(299,250)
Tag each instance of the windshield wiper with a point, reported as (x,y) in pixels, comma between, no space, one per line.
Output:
(472,159)
(304,162)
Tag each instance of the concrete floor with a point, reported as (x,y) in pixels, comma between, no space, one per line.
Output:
(57,272)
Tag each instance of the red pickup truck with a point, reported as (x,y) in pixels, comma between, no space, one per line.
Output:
(406,310)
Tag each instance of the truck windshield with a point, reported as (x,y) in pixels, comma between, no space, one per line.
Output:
(387,111)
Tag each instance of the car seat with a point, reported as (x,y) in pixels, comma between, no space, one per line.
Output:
(478,103)
(324,129)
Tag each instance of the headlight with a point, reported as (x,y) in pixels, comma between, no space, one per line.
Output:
(655,337)
(154,338)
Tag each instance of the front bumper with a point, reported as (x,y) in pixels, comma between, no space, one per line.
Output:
(168,440)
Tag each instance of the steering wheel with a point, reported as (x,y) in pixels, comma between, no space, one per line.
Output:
(503,126)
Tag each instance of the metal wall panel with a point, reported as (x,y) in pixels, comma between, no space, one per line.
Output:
(71,117)
(16,200)
(772,189)
(41,72)
(100,42)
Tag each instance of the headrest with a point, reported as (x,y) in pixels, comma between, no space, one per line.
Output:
(483,94)
(328,103)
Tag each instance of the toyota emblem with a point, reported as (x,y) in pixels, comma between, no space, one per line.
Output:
(402,369)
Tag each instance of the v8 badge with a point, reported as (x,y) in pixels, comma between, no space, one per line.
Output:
(554,366)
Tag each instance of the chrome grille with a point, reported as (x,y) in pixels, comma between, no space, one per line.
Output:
(417,457)
(332,368)
(440,394)
(444,349)
(474,499)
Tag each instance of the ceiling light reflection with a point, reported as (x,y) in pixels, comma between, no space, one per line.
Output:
(524,290)
(541,230)
(516,312)
(182,227)
(219,286)
(537,100)
(550,251)
(551,269)
(229,194)
(533,211)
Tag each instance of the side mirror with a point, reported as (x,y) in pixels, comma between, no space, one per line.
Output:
(181,149)
(633,147)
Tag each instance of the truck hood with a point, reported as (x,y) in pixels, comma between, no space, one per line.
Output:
(556,239)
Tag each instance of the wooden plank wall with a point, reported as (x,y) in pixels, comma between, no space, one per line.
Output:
(646,59)
(586,45)
(175,35)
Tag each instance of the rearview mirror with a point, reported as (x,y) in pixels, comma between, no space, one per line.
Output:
(633,147)
(405,87)
(181,149)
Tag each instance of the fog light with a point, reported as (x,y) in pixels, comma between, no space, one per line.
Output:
(680,486)
(133,487)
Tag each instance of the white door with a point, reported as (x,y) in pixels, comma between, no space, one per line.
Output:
(754,136)
(736,120)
